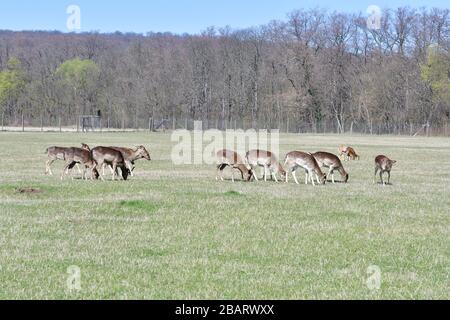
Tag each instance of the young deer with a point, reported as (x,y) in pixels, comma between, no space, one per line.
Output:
(297,159)
(229,158)
(112,157)
(268,161)
(75,156)
(331,161)
(383,164)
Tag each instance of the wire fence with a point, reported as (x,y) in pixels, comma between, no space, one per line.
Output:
(89,123)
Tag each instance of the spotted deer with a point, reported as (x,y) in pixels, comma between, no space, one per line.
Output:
(383,164)
(227,158)
(332,162)
(268,161)
(298,159)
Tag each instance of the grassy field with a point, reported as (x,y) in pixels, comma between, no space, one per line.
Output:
(173,232)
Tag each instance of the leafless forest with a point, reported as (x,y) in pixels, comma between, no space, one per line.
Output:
(317,71)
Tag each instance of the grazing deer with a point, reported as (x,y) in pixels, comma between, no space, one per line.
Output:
(351,154)
(112,157)
(75,156)
(383,164)
(229,158)
(331,161)
(297,159)
(130,156)
(268,161)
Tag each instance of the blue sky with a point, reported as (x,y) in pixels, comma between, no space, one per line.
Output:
(177,16)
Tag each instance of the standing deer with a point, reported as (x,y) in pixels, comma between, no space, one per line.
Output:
(232,159)
(331,161)
(75,156)
(383,164)
(54,154)
(130,156)
(268,161)
(297,159)
(342,151)
(112,157)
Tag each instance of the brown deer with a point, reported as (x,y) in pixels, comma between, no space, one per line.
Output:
(298,159)
(229,158)
(383,164)
(331,161)
(131,155)
(268,161)
(351,154)
(75,156)
(54,154)
(112,157)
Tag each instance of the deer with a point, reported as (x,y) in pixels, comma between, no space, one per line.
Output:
(331,161)
(297,159)
(268,161)
(347,153)
(74,156)
(383,164)
(56,153)
(229,158)
(130,156)
(112,157)
(351,154)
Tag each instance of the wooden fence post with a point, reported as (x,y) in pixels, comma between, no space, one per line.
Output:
(23,123)
(59,124)
(3,116)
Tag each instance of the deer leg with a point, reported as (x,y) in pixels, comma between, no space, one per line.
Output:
(64,172)
(274,176)
(217,172)
(129,166)
(48,170)
(254,174)
(232,174)
(312,178)
(101,173)
(295,177)
(389,177)
(375,175)
(306,177)
(114,167)
(381,177)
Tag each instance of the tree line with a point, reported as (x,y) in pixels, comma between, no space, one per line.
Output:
(317,71)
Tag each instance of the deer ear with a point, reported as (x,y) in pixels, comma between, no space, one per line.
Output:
(394,161)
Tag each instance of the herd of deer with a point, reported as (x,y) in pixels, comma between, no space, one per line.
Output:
(124,159)
(312,163)
(98,157)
